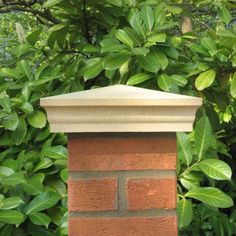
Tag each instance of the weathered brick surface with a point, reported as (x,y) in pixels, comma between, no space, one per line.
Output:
(92,195)
(148,193)
(124,153)
(135,226)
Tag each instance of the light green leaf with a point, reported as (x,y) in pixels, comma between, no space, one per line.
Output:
(137,23)
(184,212)
(157,38)
(44,164)
(51,3)
(6,171)
(11,121)
(64,174)
(202,136)
(216,169)
(179,80)
(12,73)
(37,119)
(162,59)
(13,179)
(11,217)
(115,61)
(11,202)
(211,196)
(164,82)
(24,68)
(56,152)
(5,103)
(57,27)
(124,38)
(184,148)
(111,45)
(190,180)
(138,78)
(205,79)
(92,68)
(225,15)
(40,219)
(233,86)
(42,201)
(148,17)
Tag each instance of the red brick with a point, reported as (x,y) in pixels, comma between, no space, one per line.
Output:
(127,153)
(92,195)
(148,193)
(136,226)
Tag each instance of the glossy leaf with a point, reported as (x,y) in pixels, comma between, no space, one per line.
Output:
(211,196)
(184,148)
(37,119)
(11,217)
(40,219)
(42,201)
(138,78)
(216,169)
(205,79)
(202,136)
(184,212)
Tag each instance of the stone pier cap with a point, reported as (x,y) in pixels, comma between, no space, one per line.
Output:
(120,108)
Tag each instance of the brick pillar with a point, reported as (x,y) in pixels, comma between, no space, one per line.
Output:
(122,185)
(122,158)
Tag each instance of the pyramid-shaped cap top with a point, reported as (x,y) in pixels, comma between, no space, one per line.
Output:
(121,95)
(120,108)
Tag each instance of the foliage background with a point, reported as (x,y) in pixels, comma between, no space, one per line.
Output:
(59,46)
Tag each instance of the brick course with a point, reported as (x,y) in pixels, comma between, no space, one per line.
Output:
(122,186)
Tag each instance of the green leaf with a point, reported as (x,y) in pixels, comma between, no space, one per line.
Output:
(179,80)
(164,82)
(56,152)
(40,219)
(124,38)
(57,27)
(190,180)
(33,37)
(6,171)
(184,148)
(202,136)
(20,132)
(11,217)
(211,196)
(150,63)
(11,202)
(162,59)
(184,212)
(37,119)
(111,45)
(92,68)
(33,185)
(64,174)
(138,78)
(44,164)
(115,61)
(216,169)
(148,17)
(24,68)
(43,201)
(157,38)
(225,15)
(12,73)
(51,3)
(27,108)
(5,103)
(209,44)
(13,179)
(11,121)
(137,23)
(233,86)
(205,79)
